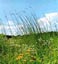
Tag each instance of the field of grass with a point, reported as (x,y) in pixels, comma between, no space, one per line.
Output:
(29,49)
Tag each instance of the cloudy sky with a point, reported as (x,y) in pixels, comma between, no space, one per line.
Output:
(40,7)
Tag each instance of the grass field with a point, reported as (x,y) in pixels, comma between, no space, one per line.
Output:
(29,49)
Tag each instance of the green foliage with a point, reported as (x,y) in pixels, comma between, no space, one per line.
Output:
(39,48)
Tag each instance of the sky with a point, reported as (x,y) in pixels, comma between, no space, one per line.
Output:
(39,7)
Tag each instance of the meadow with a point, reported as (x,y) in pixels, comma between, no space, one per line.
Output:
(34,46)
(40,48)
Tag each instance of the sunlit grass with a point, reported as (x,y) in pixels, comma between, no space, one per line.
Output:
(33,48)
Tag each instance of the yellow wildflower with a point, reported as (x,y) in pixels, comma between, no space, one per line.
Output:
(19,57)
(28,50)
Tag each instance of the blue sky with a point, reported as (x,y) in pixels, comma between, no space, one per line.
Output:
(40,7)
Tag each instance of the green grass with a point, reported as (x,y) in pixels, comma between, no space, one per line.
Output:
(29,49)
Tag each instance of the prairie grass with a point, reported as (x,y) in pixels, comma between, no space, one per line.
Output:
(29,49)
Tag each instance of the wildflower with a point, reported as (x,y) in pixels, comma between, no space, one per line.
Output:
(19,57)
(29,50)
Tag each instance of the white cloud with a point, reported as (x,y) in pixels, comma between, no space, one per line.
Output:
(49,22)
(51,14)
(11,29)
(46,23)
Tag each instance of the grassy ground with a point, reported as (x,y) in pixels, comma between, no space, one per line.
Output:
(29,49)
